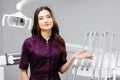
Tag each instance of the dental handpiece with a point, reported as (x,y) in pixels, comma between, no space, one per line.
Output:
(109,54)
(78,62)
(94,50)
(90,49)
(102,55)
(83,62)
(97,52)
(94,61)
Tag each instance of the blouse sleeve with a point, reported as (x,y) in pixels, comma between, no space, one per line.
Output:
(63,60)
(24,60)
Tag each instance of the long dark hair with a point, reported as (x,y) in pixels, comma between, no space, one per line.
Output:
(55,29)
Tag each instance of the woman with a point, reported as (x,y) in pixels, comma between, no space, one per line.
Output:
(45,50)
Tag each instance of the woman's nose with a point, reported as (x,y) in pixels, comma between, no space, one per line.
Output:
(45,20)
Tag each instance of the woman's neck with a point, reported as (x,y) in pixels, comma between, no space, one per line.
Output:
(46,34)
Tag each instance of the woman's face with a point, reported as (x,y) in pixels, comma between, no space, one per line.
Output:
(45,20)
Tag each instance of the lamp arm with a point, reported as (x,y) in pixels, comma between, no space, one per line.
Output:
(22,3)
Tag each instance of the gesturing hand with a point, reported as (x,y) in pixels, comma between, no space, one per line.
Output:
(81,55)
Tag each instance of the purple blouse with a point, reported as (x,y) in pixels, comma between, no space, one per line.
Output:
(44,58)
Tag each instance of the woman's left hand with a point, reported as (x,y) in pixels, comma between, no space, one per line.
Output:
(81,55)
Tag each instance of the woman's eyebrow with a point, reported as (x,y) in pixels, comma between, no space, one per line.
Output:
(45,15)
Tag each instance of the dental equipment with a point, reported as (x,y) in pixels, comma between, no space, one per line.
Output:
(12,58)
(20,5)
(7,60)
(96,59)
(77,60)
(116,69)
(109,57)
(102,55)
(84,61)
(91,49)
(100,49)
(87,63)
(18,19)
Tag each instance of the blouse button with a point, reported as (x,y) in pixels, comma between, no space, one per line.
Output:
(48,61)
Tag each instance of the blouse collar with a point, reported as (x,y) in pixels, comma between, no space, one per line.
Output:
(42,39)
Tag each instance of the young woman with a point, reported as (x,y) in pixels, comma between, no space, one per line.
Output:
(45,50)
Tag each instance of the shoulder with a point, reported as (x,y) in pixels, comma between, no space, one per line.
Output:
(30,40)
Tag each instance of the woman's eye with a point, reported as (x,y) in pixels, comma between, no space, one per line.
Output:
(40,18)
(48,16)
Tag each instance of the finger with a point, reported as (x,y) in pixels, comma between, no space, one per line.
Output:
(89,57)
(83,51)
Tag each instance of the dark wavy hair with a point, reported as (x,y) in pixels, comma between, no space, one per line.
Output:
(55,29)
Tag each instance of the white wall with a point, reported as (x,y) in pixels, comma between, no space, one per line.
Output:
(1,31)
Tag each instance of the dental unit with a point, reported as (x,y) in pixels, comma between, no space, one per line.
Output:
(101,66)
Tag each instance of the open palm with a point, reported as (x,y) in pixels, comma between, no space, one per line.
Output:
(81,55)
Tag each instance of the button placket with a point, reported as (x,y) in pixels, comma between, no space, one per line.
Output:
(47,44)
(48,61)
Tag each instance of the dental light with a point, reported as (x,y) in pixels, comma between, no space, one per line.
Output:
(18,19)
